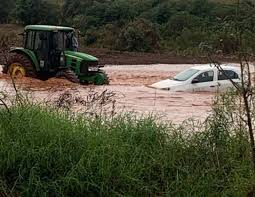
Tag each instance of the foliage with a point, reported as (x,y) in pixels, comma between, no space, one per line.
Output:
(180,21)
(171,20)
(47,152)
(35,11)
(6,8)
(138,36)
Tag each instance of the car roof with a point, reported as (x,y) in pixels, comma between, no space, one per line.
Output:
(212,66)
(47,28)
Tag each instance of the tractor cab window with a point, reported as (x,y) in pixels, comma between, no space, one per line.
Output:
(59,41)
(24,39)
(29,43)
(41,40)
(64,41)
(72,41)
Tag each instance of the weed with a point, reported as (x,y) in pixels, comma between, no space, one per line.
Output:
(44,152)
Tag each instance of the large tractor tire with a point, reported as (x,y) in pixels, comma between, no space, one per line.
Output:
(107,80)
(19,66)
(69,75)
(101,78)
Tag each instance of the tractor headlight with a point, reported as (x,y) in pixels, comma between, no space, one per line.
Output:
(62,59)
(93,69)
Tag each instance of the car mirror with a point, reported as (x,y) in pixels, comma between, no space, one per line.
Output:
(195,81)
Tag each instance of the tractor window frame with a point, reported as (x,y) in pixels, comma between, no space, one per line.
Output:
(38,44)
(30,40)
(59,41)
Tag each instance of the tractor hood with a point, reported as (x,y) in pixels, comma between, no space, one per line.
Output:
(79,55)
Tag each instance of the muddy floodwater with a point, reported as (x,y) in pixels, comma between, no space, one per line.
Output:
(132,81)
(130,84)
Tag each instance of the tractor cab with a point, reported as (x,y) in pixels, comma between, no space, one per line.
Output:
(53,51)
(49,44)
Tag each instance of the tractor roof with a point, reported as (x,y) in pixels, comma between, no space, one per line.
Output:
(47,28)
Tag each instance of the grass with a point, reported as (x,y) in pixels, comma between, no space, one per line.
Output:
(49,153)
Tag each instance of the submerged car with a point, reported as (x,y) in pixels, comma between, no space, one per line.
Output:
(201,78)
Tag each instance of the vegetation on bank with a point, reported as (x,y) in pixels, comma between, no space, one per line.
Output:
(146,25)
(47,152)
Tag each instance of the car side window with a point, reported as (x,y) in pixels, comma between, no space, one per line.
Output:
(205,77)
(227,74)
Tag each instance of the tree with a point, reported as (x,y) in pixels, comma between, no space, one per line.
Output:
(180,21)
(6,8)
(119,12)
(245,90)
(138,36)
(201,8)
(35,12)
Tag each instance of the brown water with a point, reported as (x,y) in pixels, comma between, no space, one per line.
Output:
(129,84)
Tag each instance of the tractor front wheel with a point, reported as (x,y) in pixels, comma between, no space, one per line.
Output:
(19,66)
(101,78)
(69,75)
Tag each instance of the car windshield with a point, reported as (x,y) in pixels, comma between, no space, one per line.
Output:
(185,75)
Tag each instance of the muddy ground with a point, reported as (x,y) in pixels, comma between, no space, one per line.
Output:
(111,57)
(128,85)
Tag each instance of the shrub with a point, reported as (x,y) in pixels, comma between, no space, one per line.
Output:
(91,36)
(138,36)
(36,11)
(6,9)
(108,35)
(46,152)
(180,21)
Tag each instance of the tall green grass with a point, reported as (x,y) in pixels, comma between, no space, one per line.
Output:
(48,153)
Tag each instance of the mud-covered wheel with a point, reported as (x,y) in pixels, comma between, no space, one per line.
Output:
(102,78)
(69,75)
(107,80)
(19,66)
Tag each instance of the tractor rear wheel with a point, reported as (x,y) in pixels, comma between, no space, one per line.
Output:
(19,66)
(69,75)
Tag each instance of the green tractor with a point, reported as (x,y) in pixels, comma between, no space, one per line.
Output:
(53,51)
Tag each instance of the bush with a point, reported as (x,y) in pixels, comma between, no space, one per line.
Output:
(180,21)
(191,39)
(36,11)
(138,36)
(104,37)
(44,152)
(91,36)
(108,36)
(120,12)
(6,9)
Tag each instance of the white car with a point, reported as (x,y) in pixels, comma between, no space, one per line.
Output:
(201,78)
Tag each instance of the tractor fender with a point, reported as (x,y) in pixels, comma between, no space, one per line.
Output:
(28,53)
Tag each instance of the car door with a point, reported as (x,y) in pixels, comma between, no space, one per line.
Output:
(223,78)
(205,82)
